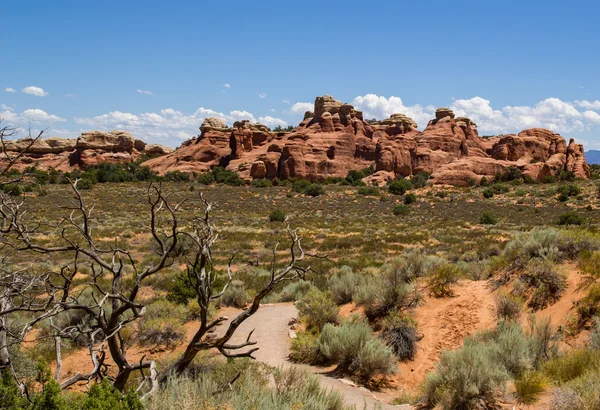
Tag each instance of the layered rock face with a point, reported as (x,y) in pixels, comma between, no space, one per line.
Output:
(90,148)
(334,139)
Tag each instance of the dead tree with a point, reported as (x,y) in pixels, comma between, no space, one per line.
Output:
(202,277)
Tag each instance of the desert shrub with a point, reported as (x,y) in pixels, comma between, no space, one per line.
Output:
(103,396)
(235,295)
(409,199)
(567,191)
(547,283)
(355,349)
(571,365)
(10,395)
(400,333)
(419,180)
(530,386)
(164,309)
(466,378)
(535,244)
(508,307)
(343,285)
(441,280)
(181,289)
(563,398)
(305,349)
(589,305)
(399,186)
(368,191)
(595,335)
(226,177)
(261,183)
(354,177)
(570,218)
(580,243)
(300,185)
(510,174)
(375,358)
(487,218)
(206,179)
(50,398)
(294,291)
(401,210)
(499,188)
(487,193)
(161,332)
(391,289)
(314,190)
(277,215)
(316,309)
(587,388)
(85,183)
(290,388)
(544,340)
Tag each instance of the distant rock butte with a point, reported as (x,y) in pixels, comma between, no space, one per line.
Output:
(330,141)
(91,148)
(334,139)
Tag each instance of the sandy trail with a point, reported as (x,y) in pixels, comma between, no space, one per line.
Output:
(270,324)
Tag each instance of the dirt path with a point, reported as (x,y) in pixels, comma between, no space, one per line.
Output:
(271,329)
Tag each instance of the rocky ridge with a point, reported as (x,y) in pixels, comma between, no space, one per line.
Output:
(334,139)
(90,148)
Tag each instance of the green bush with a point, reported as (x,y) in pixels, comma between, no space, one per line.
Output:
(441,280)
(12,189)
(508,307)
(409,199)
(305,349)
(571,365)
(419,180)
(368,191)
(85,184)
(529,387)
(294,291)
(570,218)
(343,284)
(536,244)
(316,309)
(355,349)
(467,378)
(314,190)
(235,295)
(300,186)
(401,210)
(487,218)
(181,289)
(103,396)
(161,332)
(488,193)
(399,186)
(261,183)
(277,215)
(547,283)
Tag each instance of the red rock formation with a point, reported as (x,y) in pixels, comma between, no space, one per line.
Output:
(336,139)
(91,148)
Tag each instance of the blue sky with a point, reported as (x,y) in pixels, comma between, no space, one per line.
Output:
(158,68)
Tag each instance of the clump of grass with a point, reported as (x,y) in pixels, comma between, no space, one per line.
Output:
(530,386)
(440,281)
(277,215)
(508,307)
(316,309)
(487,218)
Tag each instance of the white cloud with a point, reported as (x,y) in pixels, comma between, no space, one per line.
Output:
(33,90)
(262,95)
(272,122)
(551,113)
(302,107)
(286,102)
(581,87)
(272,110)
(10,90)
(590,105)
(146,92)
(37,115)
(227,85)
(5,107)
(70,95)
(167,126)
(380,107)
